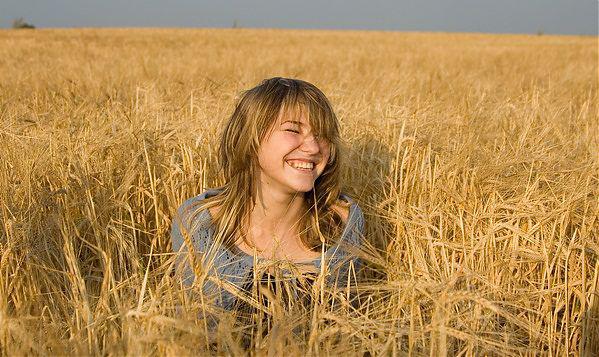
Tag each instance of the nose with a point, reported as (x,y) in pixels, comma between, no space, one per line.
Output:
(310,144)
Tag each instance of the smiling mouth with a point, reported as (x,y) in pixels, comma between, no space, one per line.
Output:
(301,165)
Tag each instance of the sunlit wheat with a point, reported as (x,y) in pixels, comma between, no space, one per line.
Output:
(474,157)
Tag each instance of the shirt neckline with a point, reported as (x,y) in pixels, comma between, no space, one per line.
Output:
(316,261)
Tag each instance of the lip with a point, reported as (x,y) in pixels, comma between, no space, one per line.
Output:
(302,171)
(303,160)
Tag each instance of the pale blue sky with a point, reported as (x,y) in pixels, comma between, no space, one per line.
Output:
(496,16)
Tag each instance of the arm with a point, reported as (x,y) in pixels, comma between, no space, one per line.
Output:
(193,228)
(178,229)
(344,263)
(188,229)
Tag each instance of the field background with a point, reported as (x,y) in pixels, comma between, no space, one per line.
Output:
(474,158)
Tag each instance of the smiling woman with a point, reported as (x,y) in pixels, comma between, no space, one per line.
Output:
(280,210)
(292,157)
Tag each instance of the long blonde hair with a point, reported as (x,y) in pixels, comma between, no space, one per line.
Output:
(254,115)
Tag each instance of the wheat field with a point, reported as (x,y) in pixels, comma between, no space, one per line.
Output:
(474,157)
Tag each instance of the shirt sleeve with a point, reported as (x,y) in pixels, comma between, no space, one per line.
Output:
(344,264)
(188,225)
(193,227)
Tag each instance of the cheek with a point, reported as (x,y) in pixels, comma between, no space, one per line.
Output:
(269,146)
(284,141)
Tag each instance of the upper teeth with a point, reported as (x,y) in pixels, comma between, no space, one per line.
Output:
(301,164)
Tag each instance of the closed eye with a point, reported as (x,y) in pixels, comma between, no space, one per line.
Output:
(292,130)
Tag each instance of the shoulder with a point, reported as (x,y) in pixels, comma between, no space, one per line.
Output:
(346,207)
(352,213)
(353,219)
(191,218)
(202,196)
(345,253)
(342,210)
(191,205)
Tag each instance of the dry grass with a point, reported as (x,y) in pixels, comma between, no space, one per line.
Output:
(474,157)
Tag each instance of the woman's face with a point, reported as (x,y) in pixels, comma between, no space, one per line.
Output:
(291,156)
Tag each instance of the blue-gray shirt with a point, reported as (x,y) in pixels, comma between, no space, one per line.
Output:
(235,267)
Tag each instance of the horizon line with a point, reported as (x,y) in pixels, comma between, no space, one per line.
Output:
(538,33)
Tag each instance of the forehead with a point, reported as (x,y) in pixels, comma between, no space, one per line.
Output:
(294,116)
(310,116)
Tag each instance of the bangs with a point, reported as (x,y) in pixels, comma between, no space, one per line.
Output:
(316,108)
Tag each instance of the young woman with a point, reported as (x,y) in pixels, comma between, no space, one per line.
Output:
(281,201)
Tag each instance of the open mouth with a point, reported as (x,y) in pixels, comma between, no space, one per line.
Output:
(302,166)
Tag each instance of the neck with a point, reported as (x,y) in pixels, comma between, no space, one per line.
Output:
(277,212)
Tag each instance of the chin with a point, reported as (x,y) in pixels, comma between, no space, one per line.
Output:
(304,188)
